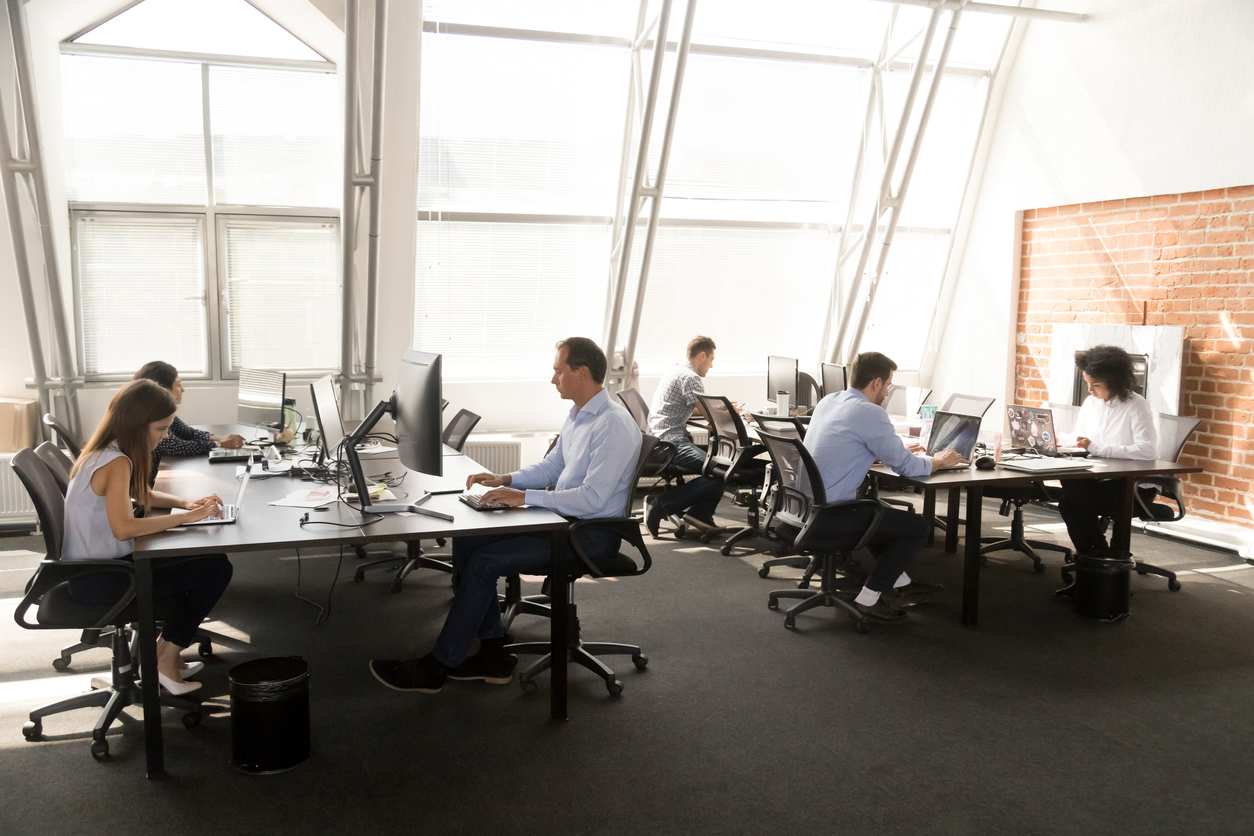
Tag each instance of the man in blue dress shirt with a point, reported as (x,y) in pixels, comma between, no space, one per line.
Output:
(589,471)
(848,432)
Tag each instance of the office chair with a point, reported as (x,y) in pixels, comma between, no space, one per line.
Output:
(1018,496)
(772,498)
(63,436)
(457,430)
(803,510)
(658,466)
(616,565)
(1174,432)
(732,457)
(48,594)
(58,463)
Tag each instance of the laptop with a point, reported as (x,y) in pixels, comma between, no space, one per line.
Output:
(1047,464)
(951,431)
(1032,430)
(220,455)
(230,513)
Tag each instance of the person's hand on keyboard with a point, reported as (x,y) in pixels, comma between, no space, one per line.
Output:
(212,500)
(488,480)
(507,497)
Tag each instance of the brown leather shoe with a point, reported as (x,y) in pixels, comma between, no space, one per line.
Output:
(881,610)
(912,593)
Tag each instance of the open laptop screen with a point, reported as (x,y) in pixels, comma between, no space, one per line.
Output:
(951,431)
(1032,428)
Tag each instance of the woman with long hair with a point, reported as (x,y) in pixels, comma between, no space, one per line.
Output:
(182,440)
(100,521)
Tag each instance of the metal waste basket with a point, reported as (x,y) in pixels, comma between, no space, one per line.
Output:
(269,714)
(1102,586)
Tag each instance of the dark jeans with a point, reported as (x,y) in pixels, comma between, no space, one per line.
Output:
(895,543)
(1084,502)
(199,581)
(698,497)
(480,561)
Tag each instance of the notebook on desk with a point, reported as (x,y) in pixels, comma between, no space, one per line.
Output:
(1046,464)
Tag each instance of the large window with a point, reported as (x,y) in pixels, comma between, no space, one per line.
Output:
(521,138)
(203,193)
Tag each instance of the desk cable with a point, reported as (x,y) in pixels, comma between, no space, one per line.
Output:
(324,613)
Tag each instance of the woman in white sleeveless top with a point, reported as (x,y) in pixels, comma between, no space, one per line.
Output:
(100,521)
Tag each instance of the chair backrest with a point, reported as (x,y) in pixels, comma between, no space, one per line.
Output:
(1173,433)
(458,429)
(787,427)
(967,404)
(64,437)
(647,443)
(636,406)
(800,482)
(45,495)
(727,431)
(1065,417)
(808,391)
(443,404)
(58,463)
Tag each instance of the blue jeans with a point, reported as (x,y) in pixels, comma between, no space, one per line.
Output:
(480,562)
(698,497)
(899,538)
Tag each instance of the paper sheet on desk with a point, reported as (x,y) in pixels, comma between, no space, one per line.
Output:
(375,448)
(314,497)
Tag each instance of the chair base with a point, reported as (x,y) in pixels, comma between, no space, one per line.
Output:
(827,595)
(1017,541)
(580,653)
(404,565)
(1147,569)
(797,561)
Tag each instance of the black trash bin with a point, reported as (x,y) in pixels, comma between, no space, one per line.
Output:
(269,714)
(1102,586)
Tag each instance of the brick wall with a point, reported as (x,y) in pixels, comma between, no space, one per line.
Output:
(1177,259)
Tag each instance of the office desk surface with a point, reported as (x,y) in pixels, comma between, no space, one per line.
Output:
(1102,469)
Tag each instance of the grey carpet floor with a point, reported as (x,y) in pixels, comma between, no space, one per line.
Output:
(1036,722)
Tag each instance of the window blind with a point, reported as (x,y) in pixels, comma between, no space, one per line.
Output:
(493,298)
(899,320)
(283,293)
(613,18)
(276,137)
(141,293)
(134,131)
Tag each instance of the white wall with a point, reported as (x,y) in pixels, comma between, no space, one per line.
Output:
(1146,97)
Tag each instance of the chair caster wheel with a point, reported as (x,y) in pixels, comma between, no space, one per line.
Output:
(1038,568)
(396,587)
(772,603)
(1141,570)
(60,663)
(441,542)
(615,688)
(1173,585)
(706,538)
(725,551)
(191,719)
(790,622)
(764,572)
(359,576)
(205,649)
(680,531)
(100,750)
(803,585)
(528,684)
(860,626)
(641,662)
(33,731)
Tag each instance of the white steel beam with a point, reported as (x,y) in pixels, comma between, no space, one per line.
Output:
(995,9)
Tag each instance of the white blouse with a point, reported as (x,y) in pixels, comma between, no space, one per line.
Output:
(87,531)
(1118,429)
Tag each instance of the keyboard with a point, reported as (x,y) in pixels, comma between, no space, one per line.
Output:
(221,456)
(473,502)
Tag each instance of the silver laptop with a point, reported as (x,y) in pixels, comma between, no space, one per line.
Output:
(230,513)
(1032,430)
(951,431)
(1047,464)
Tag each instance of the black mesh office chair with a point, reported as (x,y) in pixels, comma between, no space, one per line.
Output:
(48,594)
(1174,431)
(732,457)
(773,499)
(804,509)
(58,463)
(658,466)
(64,437)
(513,603)
(458,429)
(1018,496)
(616,565)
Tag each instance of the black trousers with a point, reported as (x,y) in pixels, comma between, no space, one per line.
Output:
(199,581)
(899,538)
(1084,502)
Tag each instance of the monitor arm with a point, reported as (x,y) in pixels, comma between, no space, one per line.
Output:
(350,443)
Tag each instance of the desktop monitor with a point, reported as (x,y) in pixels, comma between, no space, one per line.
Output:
(261,398)
(417,413)
(327,414)
(781,376)
(835,379)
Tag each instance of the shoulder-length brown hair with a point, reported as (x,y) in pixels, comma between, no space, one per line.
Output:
(125,422)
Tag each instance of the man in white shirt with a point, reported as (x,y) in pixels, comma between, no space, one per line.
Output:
(848,432)
(1114,423)
(673,404)
(590,472)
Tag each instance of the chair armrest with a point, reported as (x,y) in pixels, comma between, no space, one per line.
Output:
(821,513)
(1168,486)
(627,528)
(54,573)
(663,449)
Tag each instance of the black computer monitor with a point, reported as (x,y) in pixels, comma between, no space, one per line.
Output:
(781,376)
(835,378)
(327,414)
(417,413)
(261,398)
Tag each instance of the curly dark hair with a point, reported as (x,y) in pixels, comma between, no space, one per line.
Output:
(1110,365)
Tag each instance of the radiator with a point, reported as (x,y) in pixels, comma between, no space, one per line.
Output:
(699,437)
(15,504)
(495,456)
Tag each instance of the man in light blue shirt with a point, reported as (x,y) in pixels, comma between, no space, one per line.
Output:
(589,471)
(848,432)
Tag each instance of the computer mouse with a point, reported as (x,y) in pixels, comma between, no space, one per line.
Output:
(985,463)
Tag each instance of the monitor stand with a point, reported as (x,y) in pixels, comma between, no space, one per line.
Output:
(350,443)
(412,508)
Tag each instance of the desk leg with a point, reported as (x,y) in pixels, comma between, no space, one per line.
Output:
(559,626)
(929,513)
(971,558)
(148,662)
(1121,525)
(951,521)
